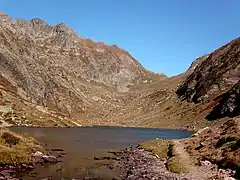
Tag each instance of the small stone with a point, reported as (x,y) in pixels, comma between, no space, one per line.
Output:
(206,163)
(57,149)
(38,153)
(50,159)
(5,173)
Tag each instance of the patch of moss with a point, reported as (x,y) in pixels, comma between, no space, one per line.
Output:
(166,149)
(158,147)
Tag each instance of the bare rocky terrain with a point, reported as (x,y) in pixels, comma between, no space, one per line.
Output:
(51,66)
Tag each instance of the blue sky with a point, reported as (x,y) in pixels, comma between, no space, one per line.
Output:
(164,35)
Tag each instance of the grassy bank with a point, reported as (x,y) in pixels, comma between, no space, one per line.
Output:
(15,148)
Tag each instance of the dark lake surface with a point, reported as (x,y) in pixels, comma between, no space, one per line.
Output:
(81,144)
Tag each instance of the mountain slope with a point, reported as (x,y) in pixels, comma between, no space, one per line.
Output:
(216,79)
(217,73)
(208,89)
(53,67)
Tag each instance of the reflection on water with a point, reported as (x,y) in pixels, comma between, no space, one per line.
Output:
(81,144)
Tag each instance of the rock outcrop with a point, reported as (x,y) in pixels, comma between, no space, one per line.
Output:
(229,105)
(215,78)
(217,72)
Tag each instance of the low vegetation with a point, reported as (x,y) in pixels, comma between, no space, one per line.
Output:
(177,165)
(14,148)
(166,149)
(10,139)
(158,147)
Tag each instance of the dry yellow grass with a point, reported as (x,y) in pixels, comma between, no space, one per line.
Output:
(177,165)
(15,148)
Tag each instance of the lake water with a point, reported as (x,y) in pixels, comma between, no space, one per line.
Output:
(81,144)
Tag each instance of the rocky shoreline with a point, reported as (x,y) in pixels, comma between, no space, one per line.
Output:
(135,164)
(138,164)
(15,171)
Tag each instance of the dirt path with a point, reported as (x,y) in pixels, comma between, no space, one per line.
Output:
(184,156)
(204,172)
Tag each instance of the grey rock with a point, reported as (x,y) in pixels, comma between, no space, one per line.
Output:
(229,105)
(50,159)
(5,173)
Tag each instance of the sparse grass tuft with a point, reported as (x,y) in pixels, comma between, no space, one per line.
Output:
(14,156)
